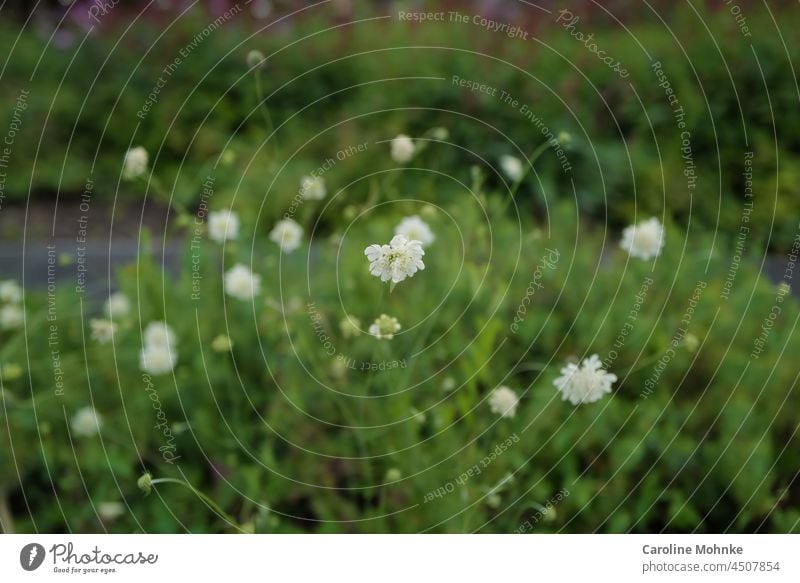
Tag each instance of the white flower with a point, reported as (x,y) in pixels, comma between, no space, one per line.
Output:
(313,187)
(402,149)
(102,330)
(384,327)
(109,511)
(256,58)
(159,334)
(118,305)
(135,163)
(287,235)
(222,343)
(644,240)
(414,228)
(350,327)
(223,225)
(10,291)
(586,383)
(11,316)
(241,283)
(86,422)
(511,166)
(503,401)
(157,359)
(396,261)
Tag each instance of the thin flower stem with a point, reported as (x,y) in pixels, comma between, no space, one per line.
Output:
(213,505)
(262,105)
(6,519)
(531,161)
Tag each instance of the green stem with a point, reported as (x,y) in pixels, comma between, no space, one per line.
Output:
(531,161)
(213,505)
(6,520)
(262,105)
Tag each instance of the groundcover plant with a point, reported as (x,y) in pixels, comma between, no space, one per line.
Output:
(446,267)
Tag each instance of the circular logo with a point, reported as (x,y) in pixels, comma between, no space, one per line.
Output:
(31,556)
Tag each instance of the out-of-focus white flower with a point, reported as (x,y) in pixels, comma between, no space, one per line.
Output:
(102,330)
(350,326)
(511,167)
(117,305)
(159,334)
(222,343)
(448,384)
(691,342)
(11,316)
(402,149)
(414,228)
(241,283)
(10,291)
(396,261)
(287,234)
(157,359)
(644,240)
(86,422)
(110,511)
(393,474)
(503,401)
(256,58)
(313,187)
(223,225)
(384,327)
(586,383)
(135,163)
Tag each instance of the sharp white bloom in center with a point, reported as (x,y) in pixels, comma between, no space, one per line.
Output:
(644,240)
(396,261)
(241,283)
(586,383)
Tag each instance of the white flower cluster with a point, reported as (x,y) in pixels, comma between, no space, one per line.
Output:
(135,163)
(117,305)
(384,327)
(644,240)
(313,188)
(102,330)
(158,356)
(223,225)
(503,401)
(511,167)
(11,314)
(287,234)
(86,422)
(396,261)
(403,149)
(586,383)
(414,228)
(241,283)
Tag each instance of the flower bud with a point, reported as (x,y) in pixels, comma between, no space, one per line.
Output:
(145,483)
(256,59)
